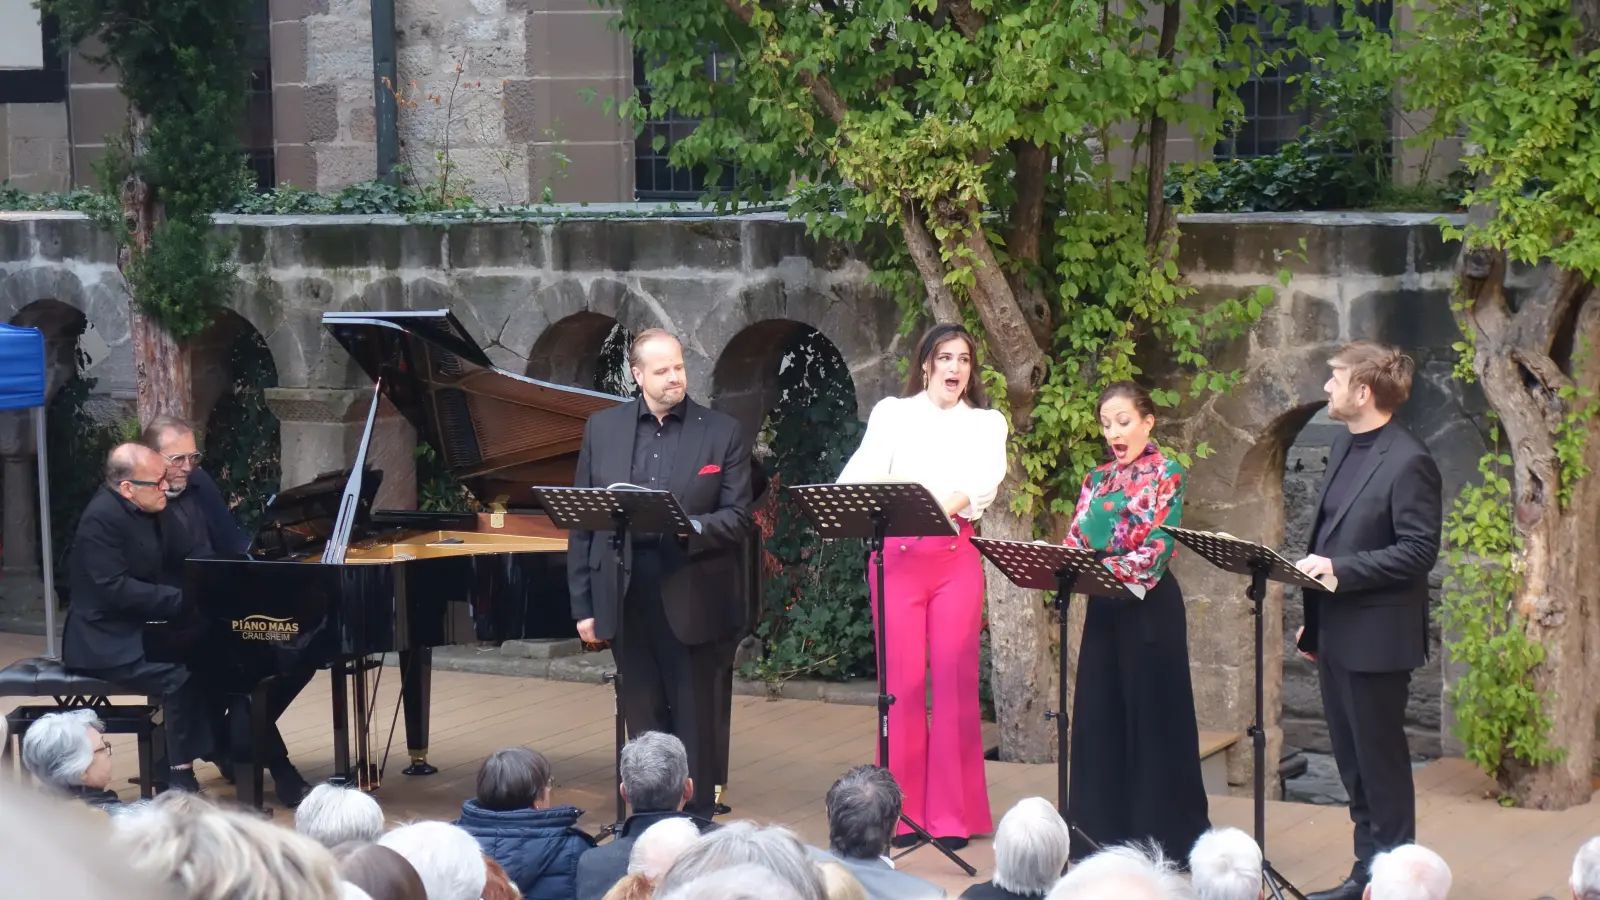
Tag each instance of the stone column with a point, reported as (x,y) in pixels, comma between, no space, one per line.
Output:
(320,432)
(21,582)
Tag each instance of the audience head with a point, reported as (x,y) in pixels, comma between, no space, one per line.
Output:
(863,809)
(514,778)
(1409,872)
(173,440)
(660,846)
(213,854)
(446,857)
(68,750)
(746,881)
(1123,873)
(381,872)
(1225,864)
(497,885)
(46,852)
(655,773)
(840,884)
(1031,846)
(773,849)
(139,475)
(1586,871)
(332,815)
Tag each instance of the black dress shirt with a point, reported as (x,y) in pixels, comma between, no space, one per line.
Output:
(1344,480)
(655,444)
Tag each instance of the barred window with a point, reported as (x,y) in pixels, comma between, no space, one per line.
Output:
(255,133)
(655,178)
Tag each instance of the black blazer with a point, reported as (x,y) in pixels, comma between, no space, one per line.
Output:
(116,578)
(701,589)
(1383,543)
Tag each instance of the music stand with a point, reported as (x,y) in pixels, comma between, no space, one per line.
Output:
(1262,564)
(618,511)
(1067,571)
(873,513)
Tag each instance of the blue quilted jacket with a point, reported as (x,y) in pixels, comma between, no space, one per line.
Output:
(538,848)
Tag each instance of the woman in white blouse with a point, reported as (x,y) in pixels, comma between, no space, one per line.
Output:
(942,435)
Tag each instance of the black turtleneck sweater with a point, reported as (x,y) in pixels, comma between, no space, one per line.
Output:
(1344,480)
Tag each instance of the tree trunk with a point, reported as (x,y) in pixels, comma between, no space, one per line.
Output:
(1524,356)
(1021,630)
(161,366)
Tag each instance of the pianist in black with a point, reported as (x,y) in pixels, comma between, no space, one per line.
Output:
(675,628)
(116,587)
(196,524)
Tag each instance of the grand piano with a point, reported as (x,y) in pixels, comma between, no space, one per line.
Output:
(331,582)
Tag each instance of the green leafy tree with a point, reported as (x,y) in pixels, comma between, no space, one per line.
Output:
(1007,159)
(180,63)
(1516,81)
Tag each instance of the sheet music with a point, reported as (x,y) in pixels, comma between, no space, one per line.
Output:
(1329,583)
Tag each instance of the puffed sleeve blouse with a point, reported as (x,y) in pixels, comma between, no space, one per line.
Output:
(960,449)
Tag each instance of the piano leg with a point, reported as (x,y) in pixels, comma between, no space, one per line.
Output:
(339,677)
(247,716)
(416,694)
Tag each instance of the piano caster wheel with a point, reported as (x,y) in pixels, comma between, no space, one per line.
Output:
(419,766)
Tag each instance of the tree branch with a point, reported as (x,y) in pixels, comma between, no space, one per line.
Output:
(1021,357)
(1485,313)
(925,256)
(968,20)
(1546,311)
(1587,12)
(818,85)
(1156,198)
(1022,240)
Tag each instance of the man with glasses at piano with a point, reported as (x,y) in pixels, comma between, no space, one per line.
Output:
(116,587)
(197,524)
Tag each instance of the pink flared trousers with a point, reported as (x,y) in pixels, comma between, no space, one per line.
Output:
(935,609)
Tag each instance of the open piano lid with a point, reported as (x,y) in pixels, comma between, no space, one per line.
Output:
(498,433)
(302,519)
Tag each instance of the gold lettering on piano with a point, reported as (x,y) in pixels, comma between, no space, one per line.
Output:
(265,628)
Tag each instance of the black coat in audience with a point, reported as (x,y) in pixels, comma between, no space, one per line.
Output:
(989,891)
(601,868)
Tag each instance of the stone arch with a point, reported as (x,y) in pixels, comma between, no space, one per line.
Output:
(63,327)
(233,368)
(102,302)
(745,380)
(570,351)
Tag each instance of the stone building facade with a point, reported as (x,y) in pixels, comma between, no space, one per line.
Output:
(512,100)
(541,296)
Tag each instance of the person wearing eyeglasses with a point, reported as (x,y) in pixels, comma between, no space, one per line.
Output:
(197,524)
(67,752)
(115,574)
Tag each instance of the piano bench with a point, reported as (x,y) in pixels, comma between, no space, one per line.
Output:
(48,678)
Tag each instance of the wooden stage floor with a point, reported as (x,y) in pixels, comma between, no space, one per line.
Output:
(787,752)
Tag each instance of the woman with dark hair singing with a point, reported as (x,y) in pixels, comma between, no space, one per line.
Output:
(942,435)
(1135,763)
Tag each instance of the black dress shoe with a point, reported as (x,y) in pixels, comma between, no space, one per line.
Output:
(903,841)
(721,809)
(951,843)
(287,782)
(182,780)
(1350,890)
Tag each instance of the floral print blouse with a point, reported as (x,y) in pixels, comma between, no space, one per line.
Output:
(1121,510)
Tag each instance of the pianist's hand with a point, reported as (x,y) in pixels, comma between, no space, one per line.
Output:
(586,630)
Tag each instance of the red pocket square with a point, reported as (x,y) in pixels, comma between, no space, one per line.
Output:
(711,470)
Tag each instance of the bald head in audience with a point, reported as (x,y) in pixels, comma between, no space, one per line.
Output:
(1123,873)
(1409,872)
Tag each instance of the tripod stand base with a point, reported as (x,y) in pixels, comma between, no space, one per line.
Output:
(1278,887)
(924,838)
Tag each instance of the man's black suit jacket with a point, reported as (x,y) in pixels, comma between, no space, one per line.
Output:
(700,575)
(1383,542)
(116,583)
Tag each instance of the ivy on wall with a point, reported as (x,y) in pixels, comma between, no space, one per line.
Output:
(243,445)
(815,619)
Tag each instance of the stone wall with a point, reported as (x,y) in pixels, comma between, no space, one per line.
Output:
(514,91)
(35,153)
(542,295)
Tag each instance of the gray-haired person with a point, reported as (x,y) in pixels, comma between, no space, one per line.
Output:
(1124,873)
(68,752)
(332,814)
(656,784)
(772,848)
(1225,864)
(1031,846)
(1585,881)
(863,810)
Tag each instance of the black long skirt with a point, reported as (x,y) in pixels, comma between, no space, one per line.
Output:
(1135,764)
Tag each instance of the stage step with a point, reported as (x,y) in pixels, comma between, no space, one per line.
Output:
(1213,755)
